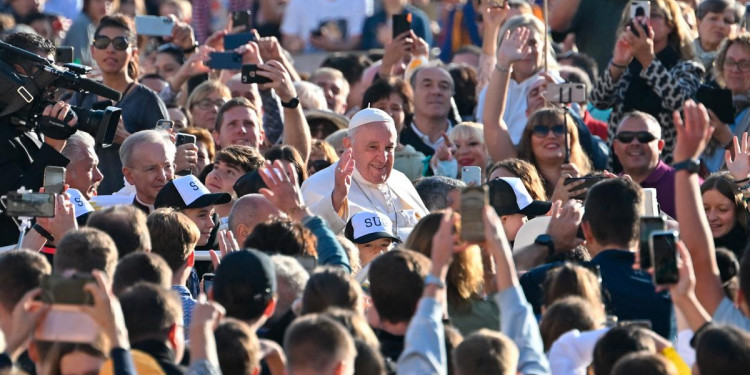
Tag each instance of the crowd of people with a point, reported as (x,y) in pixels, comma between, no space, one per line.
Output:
(465,197)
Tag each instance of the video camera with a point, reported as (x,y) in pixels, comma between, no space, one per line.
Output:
(24,97)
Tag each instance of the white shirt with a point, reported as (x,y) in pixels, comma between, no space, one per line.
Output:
(396,199)
(426,138)
(302,17)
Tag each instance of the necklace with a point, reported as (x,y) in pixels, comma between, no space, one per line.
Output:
(389,200)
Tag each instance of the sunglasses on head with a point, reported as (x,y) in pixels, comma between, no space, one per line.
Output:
(120,43)
(543,130)
(642,137)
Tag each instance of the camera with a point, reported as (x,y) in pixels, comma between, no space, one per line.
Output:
(566,93)
(24,97)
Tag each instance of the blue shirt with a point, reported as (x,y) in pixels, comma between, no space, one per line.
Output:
(629,294)
(187,307)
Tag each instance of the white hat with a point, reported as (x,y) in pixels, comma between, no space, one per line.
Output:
(369,115)
(367,226)
(79,202)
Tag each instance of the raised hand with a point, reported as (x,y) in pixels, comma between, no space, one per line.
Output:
(227,244)
(395,51)
(693,134)
(563,225)
(642,45)
(343,181)
(442,245)
(106,310)
(25,316)
(250,53)
(513,47)
(283,189)
(186,157)
(281,82)
(739,166)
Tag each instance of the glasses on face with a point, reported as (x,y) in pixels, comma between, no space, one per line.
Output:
(120,43)
(742,65)
(208,103)
(543,130)
(642,137)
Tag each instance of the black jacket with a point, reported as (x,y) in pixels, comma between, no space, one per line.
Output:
(23,157)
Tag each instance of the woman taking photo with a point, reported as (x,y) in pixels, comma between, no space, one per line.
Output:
(117,57)
(651,70)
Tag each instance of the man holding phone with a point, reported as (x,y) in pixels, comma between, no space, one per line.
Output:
(638,144)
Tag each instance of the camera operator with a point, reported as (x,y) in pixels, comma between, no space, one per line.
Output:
(23,152)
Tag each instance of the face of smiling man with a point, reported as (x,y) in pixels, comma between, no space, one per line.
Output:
(638,158)
(373,146)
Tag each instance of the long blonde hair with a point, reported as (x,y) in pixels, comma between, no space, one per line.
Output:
(679,38)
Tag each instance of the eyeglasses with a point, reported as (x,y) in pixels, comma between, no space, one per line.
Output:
(642,137)
(543,130)
(742,65)
(120,43)
(208,103)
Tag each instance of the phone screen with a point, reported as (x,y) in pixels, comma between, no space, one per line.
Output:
(208,282)
(164,124)
(649,224)
(225,60)
(473,200)
(471,175)
(66,290)
(54,179)
(30,204)
(664,258)
(401,24)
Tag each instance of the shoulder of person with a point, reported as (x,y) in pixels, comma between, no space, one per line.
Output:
(323,178)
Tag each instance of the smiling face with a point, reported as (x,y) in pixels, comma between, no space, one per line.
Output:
(336,90)
(736,77)
(150,171)
(469,152)
(638,158)
(548,147)
(240,126)
(373,146)
(432,92)
(720,212)
(202,219)
(222,178)
(110,60)
(714,27)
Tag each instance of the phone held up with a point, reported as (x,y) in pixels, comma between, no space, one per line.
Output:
(473,200)
(664,256)
(250,75)
(640,12)
(54,179)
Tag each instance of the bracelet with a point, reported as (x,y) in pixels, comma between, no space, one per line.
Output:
(621,67)
(43,232)
(694,339)
(504,70)
(742,181)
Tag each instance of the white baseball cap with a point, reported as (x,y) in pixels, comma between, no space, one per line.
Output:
(188,192)
(369,115)
(368,226)
(79,202)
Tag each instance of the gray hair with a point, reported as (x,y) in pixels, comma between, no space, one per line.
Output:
(311,96)
(144,137)
(291,271)
(434,191)
(651,122)
(77,144)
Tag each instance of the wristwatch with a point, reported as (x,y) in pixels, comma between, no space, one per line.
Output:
(191,49)
(434,280)
(546,240)
(690,165)
(292,103)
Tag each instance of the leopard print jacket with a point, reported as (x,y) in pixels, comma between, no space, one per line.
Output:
(674,86)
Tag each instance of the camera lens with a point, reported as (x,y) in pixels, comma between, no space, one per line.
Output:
(101,124)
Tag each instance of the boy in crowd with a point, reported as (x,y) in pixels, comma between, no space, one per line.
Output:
(371,232)
(512,202)
(230,163)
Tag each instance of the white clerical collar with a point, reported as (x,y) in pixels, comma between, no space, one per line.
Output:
(426,139)
(149,206)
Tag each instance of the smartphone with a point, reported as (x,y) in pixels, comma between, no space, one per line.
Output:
(153,25)
(566,93)
(589,182)
(224,60)
(496,4)
(649,224)
(164,124)
(63,55)
(54,179)
(471,175)
(250,75)
(717,100)
(640,11)
(650,204)
(241,18)
(401,24)
(664,257)
(183,138)
(57,289)
(30,204)
(747,15)
(232,41)
(473,200)
(67,323)
(208,281)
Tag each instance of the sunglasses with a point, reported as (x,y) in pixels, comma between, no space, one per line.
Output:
(120,43)
(543,130)
(642,137)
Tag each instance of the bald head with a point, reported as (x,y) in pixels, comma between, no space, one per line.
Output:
(647,120)
(249,211)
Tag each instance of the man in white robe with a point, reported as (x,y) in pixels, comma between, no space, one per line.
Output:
(364,178)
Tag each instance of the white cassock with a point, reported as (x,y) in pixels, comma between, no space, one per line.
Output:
(396,198)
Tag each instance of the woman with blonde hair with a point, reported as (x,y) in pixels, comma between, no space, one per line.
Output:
(468,307)
(204,103)
(652,70)
(465,149)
